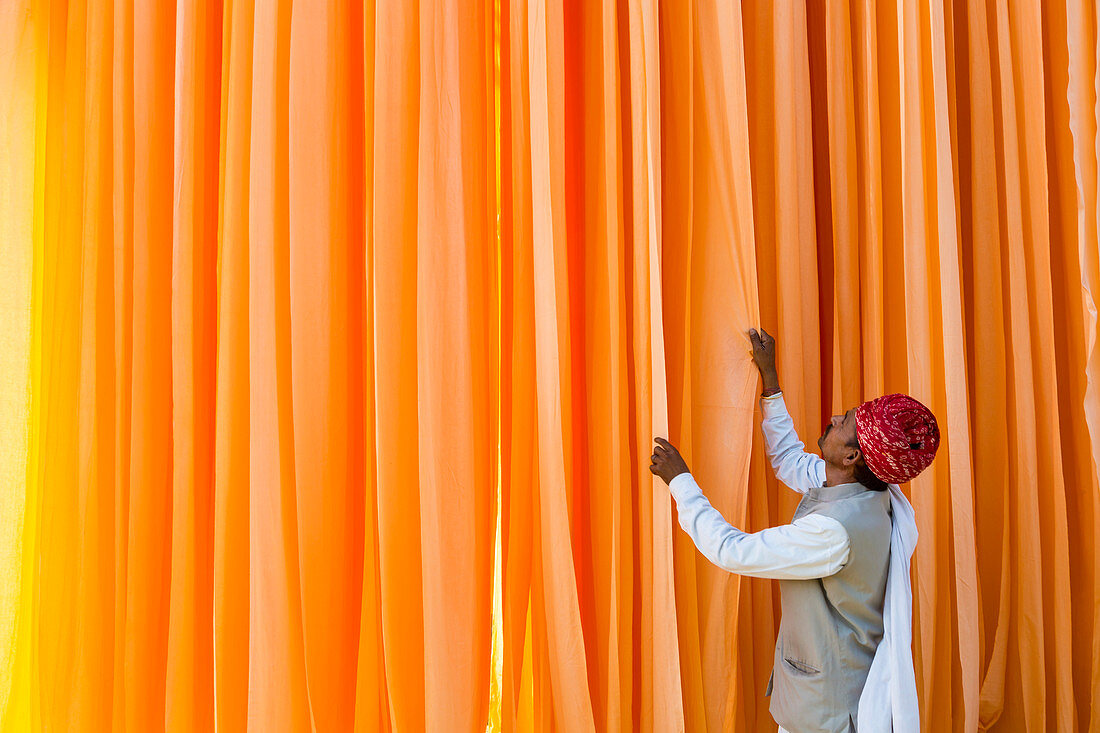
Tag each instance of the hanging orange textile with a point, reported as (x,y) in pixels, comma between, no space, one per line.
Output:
(292,292)
(918,228)
(255,497)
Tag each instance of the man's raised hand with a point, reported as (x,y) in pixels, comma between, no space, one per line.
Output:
(666,461)
(763,354)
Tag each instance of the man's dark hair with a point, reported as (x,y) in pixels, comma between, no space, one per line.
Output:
(864,475)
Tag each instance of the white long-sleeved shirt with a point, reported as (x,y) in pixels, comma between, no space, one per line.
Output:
(816,547)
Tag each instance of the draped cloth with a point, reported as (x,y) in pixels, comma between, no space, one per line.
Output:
(889,699)
(301,301)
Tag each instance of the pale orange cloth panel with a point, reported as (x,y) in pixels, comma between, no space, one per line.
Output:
(560,688)
(20,220)
(777,71)
(1081,278)
(593,221)
(393,273)
(220,348)
(974,309)
(56,455)
(720,308)
(434,360)
(278,698)
(678,93)
(261,462)
(930,166)
(232,431)
(456,358)
(189,683)
(436,427)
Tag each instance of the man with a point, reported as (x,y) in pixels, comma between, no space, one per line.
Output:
(842,659)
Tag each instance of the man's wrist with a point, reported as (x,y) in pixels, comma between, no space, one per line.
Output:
(677,486)
(673,477)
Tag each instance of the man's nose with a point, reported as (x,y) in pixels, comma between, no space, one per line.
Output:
(836,420)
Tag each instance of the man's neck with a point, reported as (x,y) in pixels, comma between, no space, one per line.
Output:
(836,476)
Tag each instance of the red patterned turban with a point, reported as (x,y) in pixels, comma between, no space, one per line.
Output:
(897,435)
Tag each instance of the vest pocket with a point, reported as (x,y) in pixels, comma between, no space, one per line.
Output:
(799,666)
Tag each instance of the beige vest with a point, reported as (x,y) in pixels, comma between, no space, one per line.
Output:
(831,626)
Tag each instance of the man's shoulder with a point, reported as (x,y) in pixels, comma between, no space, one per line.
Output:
(867,511)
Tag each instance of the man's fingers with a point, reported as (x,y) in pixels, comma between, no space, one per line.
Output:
(662,442)
(754,337)
(767,335)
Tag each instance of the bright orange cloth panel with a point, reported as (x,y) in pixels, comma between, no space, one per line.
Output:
(335,336)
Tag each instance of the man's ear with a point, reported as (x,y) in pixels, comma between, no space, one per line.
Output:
(852,456)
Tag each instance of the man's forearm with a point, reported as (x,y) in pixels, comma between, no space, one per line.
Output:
(793,465)
(771,382)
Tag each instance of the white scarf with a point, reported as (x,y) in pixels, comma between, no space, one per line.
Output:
(890,693)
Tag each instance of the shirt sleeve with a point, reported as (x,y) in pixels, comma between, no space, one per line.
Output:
(792,464)
(814,546)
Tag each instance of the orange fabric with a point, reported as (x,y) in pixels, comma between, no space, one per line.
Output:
(237,366)
(292,292)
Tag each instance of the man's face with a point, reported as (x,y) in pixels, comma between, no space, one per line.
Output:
(838,442)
